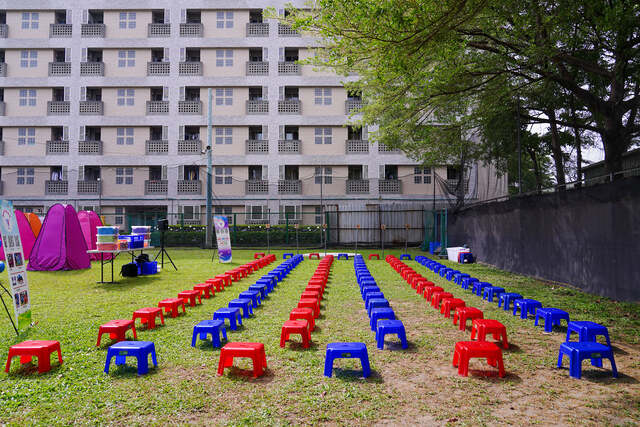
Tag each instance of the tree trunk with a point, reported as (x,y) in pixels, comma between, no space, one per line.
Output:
(615,142)
(556,150)
(578,144)
(536,169)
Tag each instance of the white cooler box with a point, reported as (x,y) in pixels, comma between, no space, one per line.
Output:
(452,253)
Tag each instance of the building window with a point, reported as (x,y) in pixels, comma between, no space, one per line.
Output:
(323,135)
(27,97)
(224,210)
(421,175)
(30,20)
(126,96)
(124,176)
(322,96)
(127,20)
(223,175)
(224,58)
(119,218)
(26,176)
(26,136)
(319,215)
(126,58)
(28,59)
(224,20)
(124,136)
(224,135)
(224,96)
(327,175)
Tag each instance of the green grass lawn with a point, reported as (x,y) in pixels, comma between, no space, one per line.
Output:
(414,386)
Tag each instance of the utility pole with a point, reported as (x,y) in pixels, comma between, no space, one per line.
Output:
(209,233)
(519,147)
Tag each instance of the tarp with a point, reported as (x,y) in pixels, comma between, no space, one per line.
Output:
(60,244)
(89,223)
(35,223)
(26,235)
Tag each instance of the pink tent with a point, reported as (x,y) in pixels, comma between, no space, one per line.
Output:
(26,235)
(89,222)
(60,244)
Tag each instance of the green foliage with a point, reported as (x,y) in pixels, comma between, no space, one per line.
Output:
(245,235)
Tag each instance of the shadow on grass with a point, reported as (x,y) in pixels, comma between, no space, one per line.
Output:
(355,375)
(246,375)
(493,375)
(513,348)
(29,371)
(124,284)
(601,375)
(130,370)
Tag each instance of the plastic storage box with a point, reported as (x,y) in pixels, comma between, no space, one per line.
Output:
(150,267)
(136,241)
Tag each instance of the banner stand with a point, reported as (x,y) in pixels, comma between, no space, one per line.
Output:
(6,309)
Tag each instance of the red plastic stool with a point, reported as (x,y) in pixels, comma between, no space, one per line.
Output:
(423,284)
(258,255)
(429,290)
(314,255)
(189,297)
(295,327)
(304,313)
(311,303)
(449,304)
(464,313)
(206,290)
(172,305)
(436,297)
(318,282)
(40,349)
(148,315)
(316,288)
(489,326)
(466,350)
(374,255)
(117,330)
(253,350)
(226,279)
(218,283)
(311,294)
(235,275)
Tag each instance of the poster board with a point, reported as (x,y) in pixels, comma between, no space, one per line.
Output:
(221,225)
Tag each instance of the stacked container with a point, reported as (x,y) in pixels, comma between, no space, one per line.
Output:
(107,238)
(144,230)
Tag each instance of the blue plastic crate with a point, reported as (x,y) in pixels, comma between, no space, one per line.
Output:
(136,241)
(150,267)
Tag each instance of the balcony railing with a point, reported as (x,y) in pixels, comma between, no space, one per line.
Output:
(289,106)
(3,108)
(159,30)
(3,69)
(257,146)
(189,186)
(60,30)
(257,68)
(189,146)
(58,108)
(288,68)
(452,185)
(93,30)
(357,146)
(357,186)
(91,108)
(289,186)
(190,107)
(289,146)
(57,147)
(156,146)
(289,218)
(155,108)
(90,148)
(387,150)
(159,186)
(352,105)
(256,186)
(191,29)
(286,31)
(56,187)
(4,31)
(255,106)
(59,69)
(190,68)
(158,68)
(89,187)
(92,68)
(258,29)
(389,186)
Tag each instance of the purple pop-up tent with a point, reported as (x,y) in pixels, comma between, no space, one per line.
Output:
(60,244)
(26,235)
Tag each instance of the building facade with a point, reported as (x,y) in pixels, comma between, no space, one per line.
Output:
(105,105)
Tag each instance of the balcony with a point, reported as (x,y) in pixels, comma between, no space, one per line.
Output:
(257,146)
(190,146)
(92,69)
(288,68)
(91,108)
(156,146)
(191,29)
(56,187)
(257,68)
(357,186)
(256,186)
(357,146)
(159,30)
(57,147)
(93,30)
(189,107)
(89,187)
(4,31)
(189,186)
(90,148)
(3,69)
(289,146)
(289,186)
(158,68)
(383,149)
(258,29)
(352,106)
(159,186)
(190,68)
(389,186)
(257,106)
(3,108)
(155,108)
(452,186)
(58,108)
(287,31)
(289,106)
(59,69)
(60,31)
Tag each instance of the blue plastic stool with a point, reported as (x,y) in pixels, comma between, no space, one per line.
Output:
(376,303)
(369,281)
(365,290)
(254,296)
(231,313)
(578,351)
(468,282)
(443,271)
(450,274)
(380,313)
(457,278)
(371,295)
(405,256)
(287,255)
(267,282)
(342,350)
(466,258)
(505,299)
(345,256)
(479,286)
(527,306)
(551,317)
(138,349)
(244,304)
(490,291)
(390,327)
(588,331)
(260,288)
(213,327)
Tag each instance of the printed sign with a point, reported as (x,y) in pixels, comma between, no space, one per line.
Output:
(223,238)
(16,268)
